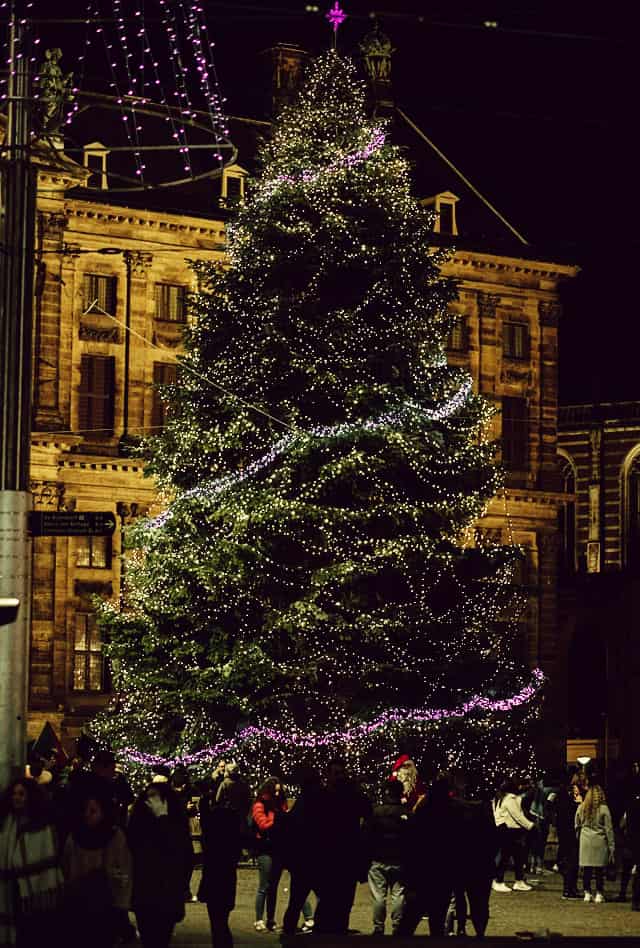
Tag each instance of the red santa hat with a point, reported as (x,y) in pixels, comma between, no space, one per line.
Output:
(400,761)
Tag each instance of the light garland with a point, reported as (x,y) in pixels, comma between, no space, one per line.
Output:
(311,176)
(394,716)
(327,432)
(316,593)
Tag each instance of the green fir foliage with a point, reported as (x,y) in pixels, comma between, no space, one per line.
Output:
(317,563)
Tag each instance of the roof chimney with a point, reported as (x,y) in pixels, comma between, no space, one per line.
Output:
(287,68)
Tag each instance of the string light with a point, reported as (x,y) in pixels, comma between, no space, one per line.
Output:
(323,591)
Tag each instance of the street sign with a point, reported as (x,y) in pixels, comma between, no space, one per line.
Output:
(62,523)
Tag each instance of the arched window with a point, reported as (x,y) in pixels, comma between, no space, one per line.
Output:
(567,516)
(632,498)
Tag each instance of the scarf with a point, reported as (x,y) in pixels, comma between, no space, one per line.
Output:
(30,878)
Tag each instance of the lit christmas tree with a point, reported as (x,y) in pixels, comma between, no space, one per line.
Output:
(315,584)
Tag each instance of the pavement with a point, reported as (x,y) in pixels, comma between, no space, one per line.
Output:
(540,912)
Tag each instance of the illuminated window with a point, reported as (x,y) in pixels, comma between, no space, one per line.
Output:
(94,552)
(99,293)
(171,302)
(515,340)
(88,658)
(515,433)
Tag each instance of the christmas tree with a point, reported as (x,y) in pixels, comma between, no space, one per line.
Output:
(316,584)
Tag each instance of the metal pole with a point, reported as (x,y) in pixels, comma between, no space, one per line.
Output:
(127,347)
(16,304)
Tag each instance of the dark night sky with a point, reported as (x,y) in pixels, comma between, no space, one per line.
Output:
(535,113)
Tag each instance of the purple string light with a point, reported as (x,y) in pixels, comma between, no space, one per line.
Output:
(340,164)
(391,717)
(388,420)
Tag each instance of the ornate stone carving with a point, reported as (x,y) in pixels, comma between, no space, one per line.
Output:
(91,333)
(71,251)
(54,223)
(550,312)
(168,334)
(516,375)
(129,513)
(487,303)
(84,589)
(47,494)
(139,261)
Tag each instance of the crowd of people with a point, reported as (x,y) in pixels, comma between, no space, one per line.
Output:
(78,849)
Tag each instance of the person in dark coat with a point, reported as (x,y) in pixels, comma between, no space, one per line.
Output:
(162,858)
(631,829)
(433,862)
(342,861)
(303,849)
(569,799)
(222,828)
(385,836)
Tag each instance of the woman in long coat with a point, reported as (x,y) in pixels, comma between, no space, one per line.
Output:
(30,876)
(162,858)
(596,841)
(97,870)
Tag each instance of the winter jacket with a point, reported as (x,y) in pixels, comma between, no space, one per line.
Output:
(509,813)
(113,858)
(162,858)
(221,846)
(234,792)
(266,815)
(385,834)
(597,842)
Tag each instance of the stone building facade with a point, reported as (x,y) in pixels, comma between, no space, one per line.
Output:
(109,316)
(599,450)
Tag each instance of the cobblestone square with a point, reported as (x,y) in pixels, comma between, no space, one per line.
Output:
(542,908)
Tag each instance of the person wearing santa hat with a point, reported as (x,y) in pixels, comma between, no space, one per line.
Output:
(414,789)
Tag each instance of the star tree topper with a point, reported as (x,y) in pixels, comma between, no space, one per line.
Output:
(336,17)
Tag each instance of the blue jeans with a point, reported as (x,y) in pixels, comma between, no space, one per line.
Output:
(269,872)
(385,879)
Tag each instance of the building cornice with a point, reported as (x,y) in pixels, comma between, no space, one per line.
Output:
(500,263)
(161,223)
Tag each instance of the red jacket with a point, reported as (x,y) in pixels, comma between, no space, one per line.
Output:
(264,818)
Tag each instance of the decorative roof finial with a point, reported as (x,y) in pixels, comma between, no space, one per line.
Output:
(336,17)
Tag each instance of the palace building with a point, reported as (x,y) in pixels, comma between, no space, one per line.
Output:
(110,309)
(599,449)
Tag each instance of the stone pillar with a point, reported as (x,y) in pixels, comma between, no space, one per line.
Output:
(47,322)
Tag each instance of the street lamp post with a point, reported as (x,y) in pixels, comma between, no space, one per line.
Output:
(16,302)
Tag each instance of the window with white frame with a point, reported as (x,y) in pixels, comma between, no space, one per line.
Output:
(515,340)
(99,293)
(94,552)
(88,656)
(171,301)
